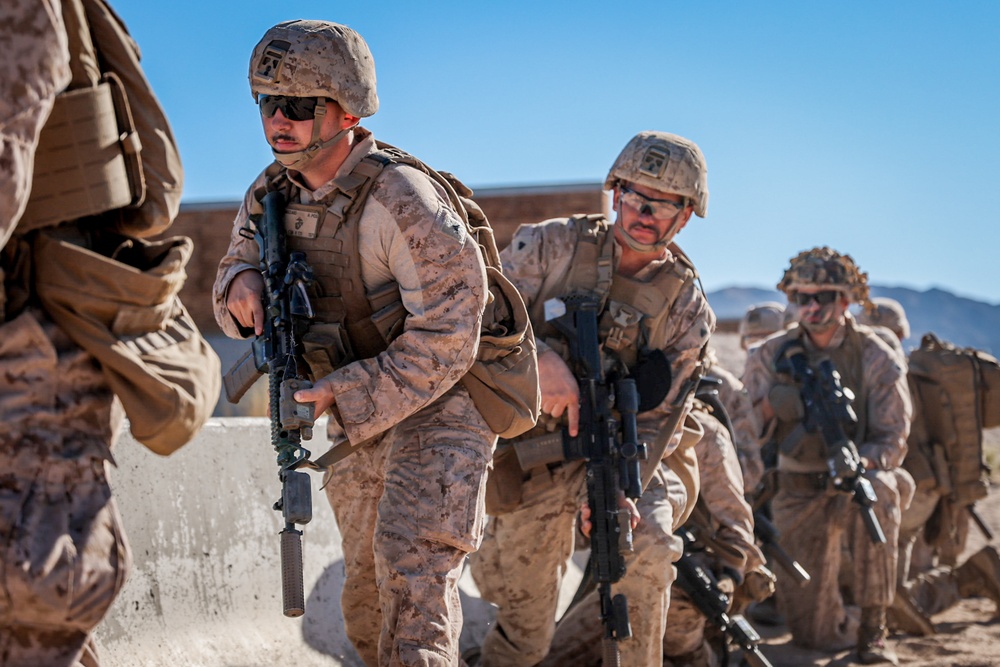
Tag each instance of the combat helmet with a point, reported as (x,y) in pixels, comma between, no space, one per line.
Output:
(664,162)
(760,321)
(303,58)
(888,313)
(825,267)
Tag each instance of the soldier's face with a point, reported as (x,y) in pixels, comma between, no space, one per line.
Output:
(649,215)
(287,136)
(818,308)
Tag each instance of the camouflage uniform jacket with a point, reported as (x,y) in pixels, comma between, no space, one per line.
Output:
(746,431)
(34,69)
(543,253)
(408,235)
(882,394)
(722,496)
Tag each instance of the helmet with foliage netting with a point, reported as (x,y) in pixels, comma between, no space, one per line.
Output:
(827,268)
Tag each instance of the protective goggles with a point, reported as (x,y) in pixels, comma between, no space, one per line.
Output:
(822,298)
(662,209)
(292,108)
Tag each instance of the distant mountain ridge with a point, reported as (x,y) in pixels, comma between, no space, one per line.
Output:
(962,321)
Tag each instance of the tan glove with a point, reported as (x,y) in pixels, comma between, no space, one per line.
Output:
(759,584)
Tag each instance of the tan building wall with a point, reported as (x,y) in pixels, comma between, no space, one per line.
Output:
(209,225)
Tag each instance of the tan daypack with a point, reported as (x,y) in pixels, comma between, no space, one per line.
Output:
(107,145)
(956,394)
(123,309)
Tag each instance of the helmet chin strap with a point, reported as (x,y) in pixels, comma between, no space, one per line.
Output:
(298,159)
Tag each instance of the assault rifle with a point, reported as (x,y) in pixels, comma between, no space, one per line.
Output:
(287,311)
(612,451)
(827,408)
(703,589)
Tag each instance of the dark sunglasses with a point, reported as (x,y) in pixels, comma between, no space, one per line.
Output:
(822,298)
(292,108)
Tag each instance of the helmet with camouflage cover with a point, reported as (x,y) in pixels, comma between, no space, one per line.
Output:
(664,162)
(827,268)
(760,321)
(888,313)
(315,59)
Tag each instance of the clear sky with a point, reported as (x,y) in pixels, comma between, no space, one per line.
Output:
(870,126)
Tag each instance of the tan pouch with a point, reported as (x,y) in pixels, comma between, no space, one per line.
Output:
(80,164)
(128,316)
(503,382)
(504,483)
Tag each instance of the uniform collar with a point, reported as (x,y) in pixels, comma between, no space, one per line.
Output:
(364,143)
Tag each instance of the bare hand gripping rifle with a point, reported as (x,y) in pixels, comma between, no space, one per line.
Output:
(612,451)
(827,408)
(287,312)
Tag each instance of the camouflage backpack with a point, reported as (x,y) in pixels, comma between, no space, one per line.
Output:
(956,394)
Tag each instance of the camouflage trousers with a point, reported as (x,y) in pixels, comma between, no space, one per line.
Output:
(410,508)
(815,524)
(928,572)
(63,554)
(524,557)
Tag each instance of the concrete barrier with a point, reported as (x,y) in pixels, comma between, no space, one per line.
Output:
(205,589)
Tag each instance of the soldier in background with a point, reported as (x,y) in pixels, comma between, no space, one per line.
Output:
(722,523)
(652,303)
(887,317)
(410,502)
(930,579)
(746,430)
(810,514)
(760,321)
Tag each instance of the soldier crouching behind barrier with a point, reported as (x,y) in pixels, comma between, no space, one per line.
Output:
(811,509)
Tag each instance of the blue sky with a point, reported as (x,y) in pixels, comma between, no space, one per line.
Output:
(870,126)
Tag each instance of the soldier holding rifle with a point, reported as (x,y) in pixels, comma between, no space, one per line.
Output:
(653,321)
(410,501)
(835,398)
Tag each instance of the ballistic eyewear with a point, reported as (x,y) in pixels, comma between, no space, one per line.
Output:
(662,209)
(292,108)
(822,298)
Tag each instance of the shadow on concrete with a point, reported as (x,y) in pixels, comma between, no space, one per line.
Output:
(323,623)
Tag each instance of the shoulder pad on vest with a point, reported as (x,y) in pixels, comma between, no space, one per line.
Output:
(275,177)
(683,259)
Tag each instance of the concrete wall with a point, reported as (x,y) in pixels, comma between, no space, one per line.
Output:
(205,589)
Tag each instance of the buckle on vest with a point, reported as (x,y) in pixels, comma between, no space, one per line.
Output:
(616,339)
